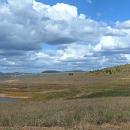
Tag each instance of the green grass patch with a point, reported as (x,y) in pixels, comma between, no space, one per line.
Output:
(55,95)
(110,93)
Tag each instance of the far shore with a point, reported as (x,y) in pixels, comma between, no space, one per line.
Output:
(10,96)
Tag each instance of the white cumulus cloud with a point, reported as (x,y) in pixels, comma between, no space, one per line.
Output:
(27,26)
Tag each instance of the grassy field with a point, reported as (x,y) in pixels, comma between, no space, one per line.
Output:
(103,113)
(90,101)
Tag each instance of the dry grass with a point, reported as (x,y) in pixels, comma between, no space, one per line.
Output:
(84,101)
(63,86)
(65,113)
(121,126)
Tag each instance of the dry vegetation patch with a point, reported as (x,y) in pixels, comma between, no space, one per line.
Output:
(65,113)
(84,101)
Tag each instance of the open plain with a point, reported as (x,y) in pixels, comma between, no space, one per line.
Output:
(98,100)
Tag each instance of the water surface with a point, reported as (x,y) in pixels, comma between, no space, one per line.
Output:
(4,99)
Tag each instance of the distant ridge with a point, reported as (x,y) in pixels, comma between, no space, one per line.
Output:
(115,69)
(55,71)
(1,73)
(51,71)
(13,73)
(108,70)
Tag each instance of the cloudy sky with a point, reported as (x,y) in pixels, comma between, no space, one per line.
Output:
(37,35)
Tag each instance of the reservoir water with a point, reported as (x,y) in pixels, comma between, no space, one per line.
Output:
(4,99)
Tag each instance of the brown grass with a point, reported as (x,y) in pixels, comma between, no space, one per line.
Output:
(62,86)
(66,113)
(121,126)
(84,101)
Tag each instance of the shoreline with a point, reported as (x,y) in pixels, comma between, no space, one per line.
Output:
(14,97)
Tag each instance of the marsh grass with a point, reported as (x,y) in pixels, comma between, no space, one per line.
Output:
(64,94)
(107,93)
(65,113)
(63,86)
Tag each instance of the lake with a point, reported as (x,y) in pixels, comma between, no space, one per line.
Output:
(4,99)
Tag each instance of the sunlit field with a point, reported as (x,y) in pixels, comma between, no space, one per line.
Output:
(87,100)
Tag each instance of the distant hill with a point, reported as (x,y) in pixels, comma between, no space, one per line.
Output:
(13,73)
(51,71)
(1,73)
(55,71)
(112,70)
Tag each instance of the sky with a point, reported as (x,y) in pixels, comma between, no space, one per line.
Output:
(38,35)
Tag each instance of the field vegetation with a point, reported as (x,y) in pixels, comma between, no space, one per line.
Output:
(83,101)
